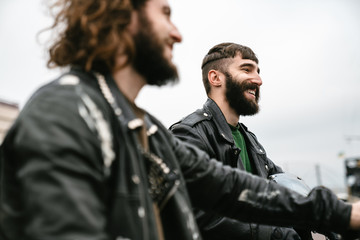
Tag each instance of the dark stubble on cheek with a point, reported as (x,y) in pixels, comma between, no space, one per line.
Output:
(149,58)
(235,95)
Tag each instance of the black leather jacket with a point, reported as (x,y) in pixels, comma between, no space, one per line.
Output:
(207,129)
(70,170)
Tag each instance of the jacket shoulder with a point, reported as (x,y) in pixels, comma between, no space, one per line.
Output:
(194,118)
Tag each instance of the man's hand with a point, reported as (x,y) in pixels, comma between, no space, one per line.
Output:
(355,216)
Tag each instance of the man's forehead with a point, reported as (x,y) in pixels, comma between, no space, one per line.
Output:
(238,60)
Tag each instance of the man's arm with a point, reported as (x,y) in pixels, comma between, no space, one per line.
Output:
(236,194)
(59,172)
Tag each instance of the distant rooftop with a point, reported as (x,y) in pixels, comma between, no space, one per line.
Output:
(8,103)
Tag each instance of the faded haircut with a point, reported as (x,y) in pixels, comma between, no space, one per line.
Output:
(219,57)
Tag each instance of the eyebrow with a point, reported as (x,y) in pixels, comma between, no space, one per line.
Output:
(250,65)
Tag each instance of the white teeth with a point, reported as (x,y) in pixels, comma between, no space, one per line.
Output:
(251,92)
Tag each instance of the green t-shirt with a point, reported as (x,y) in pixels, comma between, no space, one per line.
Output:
(240,143)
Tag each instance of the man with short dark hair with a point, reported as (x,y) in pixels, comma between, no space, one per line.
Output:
(82,161)
(230,75)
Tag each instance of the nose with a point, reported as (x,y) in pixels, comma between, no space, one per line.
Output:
(257,80)
(175,34)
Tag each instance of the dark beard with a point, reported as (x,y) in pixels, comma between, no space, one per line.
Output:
(236,97)
(149,60)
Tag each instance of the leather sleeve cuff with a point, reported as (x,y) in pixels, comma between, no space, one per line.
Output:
(336,215)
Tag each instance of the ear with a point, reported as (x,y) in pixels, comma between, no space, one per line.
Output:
(214,78)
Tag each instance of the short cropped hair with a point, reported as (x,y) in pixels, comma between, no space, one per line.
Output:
(218,58)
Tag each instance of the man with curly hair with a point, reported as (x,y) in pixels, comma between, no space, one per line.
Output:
(82,161)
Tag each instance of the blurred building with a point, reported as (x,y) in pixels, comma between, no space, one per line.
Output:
(8,112)
(352,165)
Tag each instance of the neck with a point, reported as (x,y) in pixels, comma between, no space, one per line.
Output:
(129,82)
(230,115)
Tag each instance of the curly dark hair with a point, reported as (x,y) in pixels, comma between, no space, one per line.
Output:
(218,59)
(92,33)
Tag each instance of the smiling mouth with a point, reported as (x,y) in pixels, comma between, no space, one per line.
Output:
(252,92)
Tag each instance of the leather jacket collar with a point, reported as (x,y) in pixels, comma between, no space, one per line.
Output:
(211,108)
(128,115)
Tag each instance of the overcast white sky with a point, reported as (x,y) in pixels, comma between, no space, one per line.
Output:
(309,52)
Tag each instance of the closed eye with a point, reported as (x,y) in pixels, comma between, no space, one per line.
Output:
(167,11)
(249,67)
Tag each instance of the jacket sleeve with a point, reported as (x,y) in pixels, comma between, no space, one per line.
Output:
(236,194)
(60,180)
